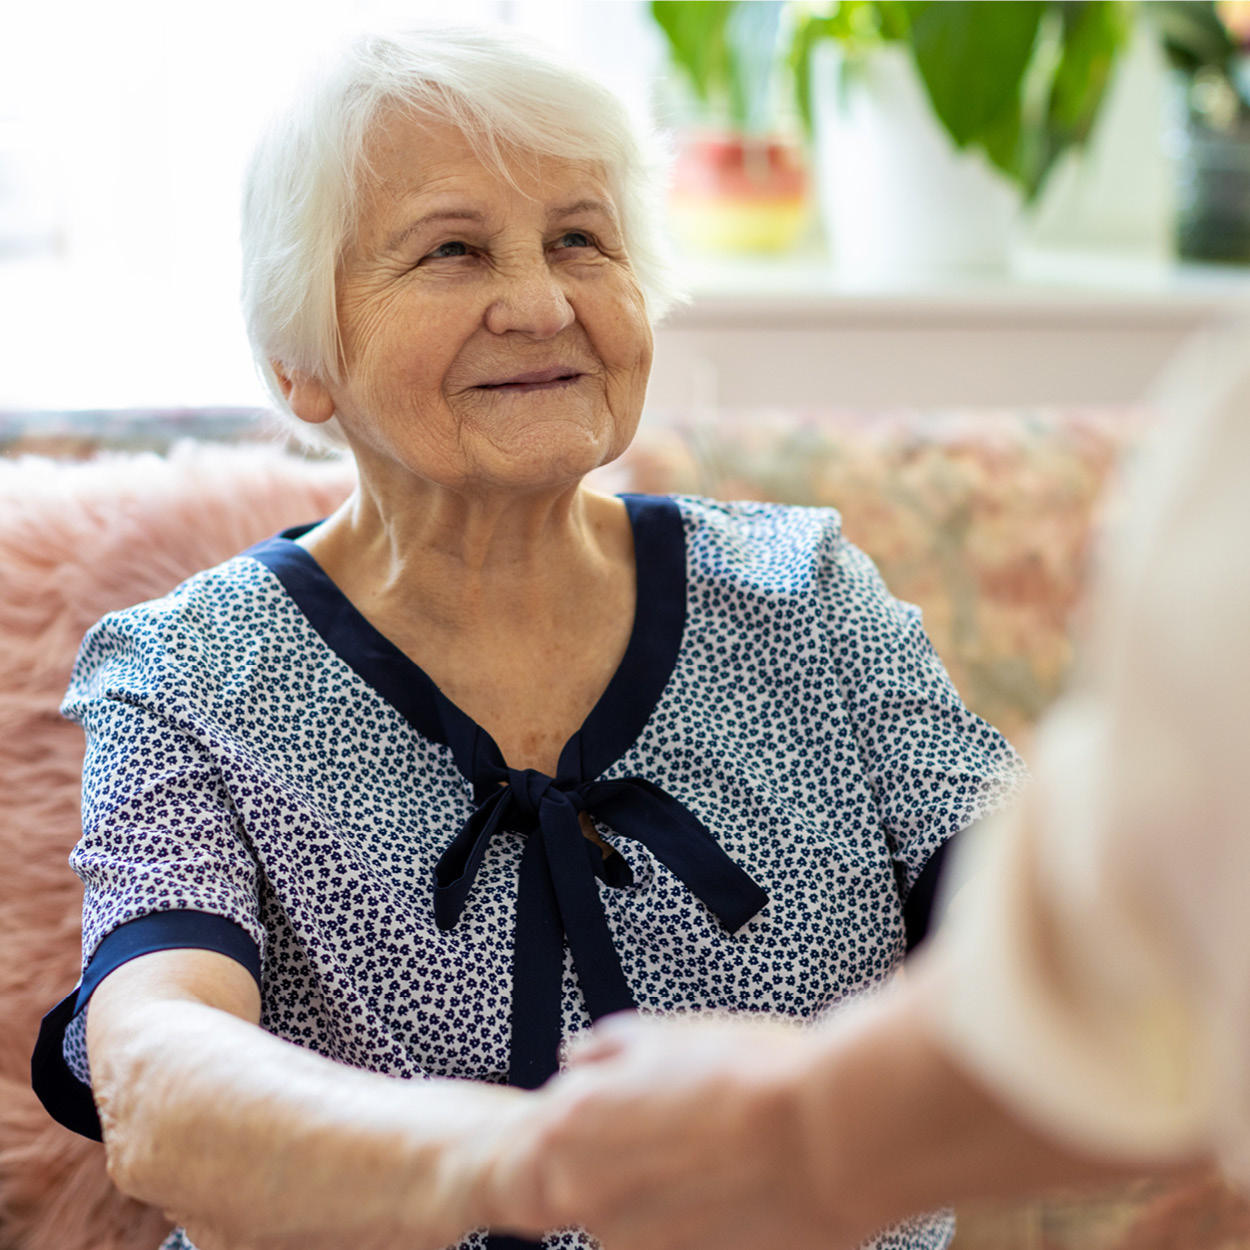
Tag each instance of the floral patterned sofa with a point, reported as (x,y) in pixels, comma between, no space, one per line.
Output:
(986,519)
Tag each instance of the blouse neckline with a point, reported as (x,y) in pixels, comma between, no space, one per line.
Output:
(616,720)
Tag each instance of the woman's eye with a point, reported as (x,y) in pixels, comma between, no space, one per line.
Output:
(575,238)
(446,251)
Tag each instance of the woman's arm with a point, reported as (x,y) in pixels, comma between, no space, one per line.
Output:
(250,1140)
(735,1134)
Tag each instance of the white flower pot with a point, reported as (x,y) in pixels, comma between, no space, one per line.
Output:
(899,201)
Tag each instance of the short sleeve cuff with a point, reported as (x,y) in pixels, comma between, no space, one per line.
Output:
(68,1099)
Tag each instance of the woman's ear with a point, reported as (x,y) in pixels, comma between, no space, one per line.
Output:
(307,395)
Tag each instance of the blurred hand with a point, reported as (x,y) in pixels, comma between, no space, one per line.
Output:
(675,1134)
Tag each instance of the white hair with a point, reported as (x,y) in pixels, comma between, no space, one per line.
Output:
(503,92)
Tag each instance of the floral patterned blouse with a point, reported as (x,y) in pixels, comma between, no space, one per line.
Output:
(776,766)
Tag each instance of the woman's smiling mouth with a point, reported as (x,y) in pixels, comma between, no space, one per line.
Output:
(535,380)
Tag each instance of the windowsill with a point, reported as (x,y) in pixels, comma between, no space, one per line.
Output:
(1042,286)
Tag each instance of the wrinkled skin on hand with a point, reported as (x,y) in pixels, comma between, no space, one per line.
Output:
(676,1135)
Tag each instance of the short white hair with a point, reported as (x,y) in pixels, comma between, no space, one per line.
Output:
(504,92)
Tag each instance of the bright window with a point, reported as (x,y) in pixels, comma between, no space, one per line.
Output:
(123,131)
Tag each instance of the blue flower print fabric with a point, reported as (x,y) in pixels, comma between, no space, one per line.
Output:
(259,755)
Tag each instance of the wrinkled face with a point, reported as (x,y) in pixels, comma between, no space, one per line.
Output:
(494,335)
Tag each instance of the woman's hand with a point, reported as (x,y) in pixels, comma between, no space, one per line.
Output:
(730,1135)
(255,1144)
(677,1134)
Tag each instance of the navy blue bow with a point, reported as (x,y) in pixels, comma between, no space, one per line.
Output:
(557,899)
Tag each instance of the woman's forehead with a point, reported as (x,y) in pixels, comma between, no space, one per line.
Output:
(418,160)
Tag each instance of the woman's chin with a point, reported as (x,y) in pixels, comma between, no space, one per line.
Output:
(551,475)
(542,457)
(549,457)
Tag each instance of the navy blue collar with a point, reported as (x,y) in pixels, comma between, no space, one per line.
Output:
(614,722)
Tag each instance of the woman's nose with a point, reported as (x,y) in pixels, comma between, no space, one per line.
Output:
(530,300)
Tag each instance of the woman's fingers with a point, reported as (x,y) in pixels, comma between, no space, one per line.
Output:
(659,1128)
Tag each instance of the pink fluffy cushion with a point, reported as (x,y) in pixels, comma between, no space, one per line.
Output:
(76,541)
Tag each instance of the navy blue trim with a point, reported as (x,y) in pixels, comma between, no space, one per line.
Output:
(614,723)
(918,907)
(556,899)
(617,720)
(67,1099)
(349,634)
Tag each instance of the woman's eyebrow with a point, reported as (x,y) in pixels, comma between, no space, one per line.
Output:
(604,208)
(401,236)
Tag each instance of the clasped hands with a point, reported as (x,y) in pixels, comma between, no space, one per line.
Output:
(700,1133)
(691,1133)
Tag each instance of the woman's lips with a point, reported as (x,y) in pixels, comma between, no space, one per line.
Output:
(537,379)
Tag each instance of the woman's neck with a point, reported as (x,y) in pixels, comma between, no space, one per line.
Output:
(457,562)
(520,613)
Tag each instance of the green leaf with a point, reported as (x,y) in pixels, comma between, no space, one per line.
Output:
(893,19)
(1093,34)
(856,25)
(810,31)
(972,58)
(695,30)
(1003,141)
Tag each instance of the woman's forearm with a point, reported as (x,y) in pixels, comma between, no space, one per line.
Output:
(232,1130)
(895,1126)
(732,1134)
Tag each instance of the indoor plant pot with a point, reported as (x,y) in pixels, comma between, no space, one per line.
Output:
(897,197)
(740,180)
(936,122)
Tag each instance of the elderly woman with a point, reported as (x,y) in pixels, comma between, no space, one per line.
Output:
(381,811)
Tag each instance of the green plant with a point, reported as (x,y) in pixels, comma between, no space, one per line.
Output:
(730,56)
(1021,81)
